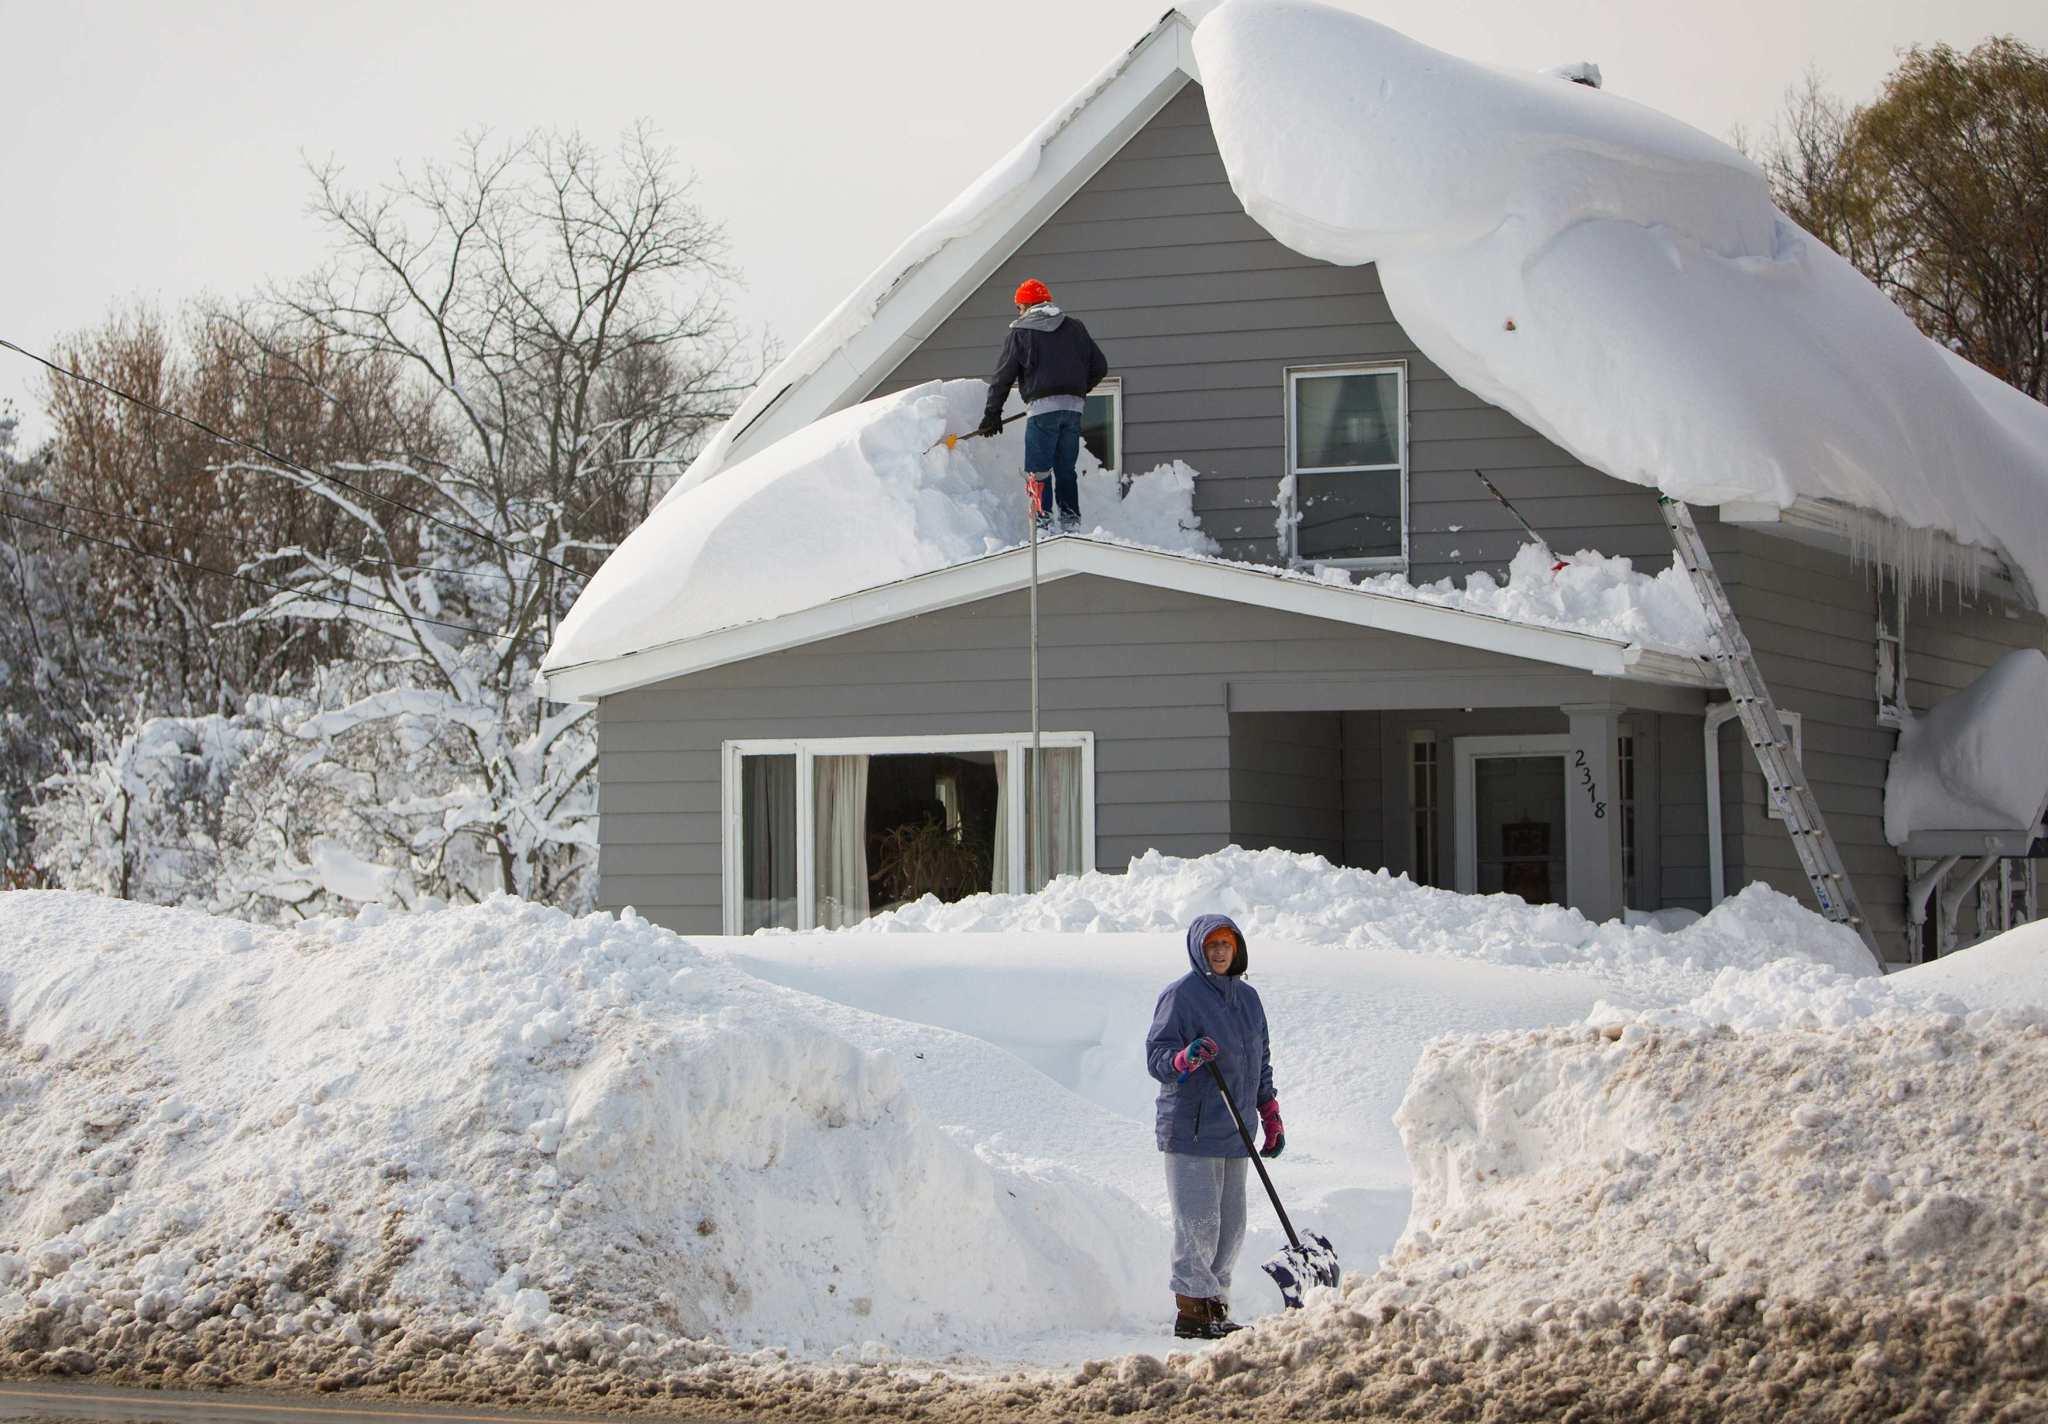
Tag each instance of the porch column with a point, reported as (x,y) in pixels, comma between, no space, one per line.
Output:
(1592,825)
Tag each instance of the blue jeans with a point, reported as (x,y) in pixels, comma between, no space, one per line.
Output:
(1052,442)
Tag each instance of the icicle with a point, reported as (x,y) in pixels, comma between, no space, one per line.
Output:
(1922,560)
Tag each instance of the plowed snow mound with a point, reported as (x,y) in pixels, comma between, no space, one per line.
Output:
(1304,899)
(496,1118)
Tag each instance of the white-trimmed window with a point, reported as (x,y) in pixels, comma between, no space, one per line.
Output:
(1424,783)
(1345,496)
(1102,422)
(819,833)
(1891,648)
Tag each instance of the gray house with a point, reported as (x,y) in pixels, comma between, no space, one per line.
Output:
(779,772)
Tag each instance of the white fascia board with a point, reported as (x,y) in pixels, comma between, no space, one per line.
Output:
(1009,571)
(1158,68)
(1824,524)
(907,598)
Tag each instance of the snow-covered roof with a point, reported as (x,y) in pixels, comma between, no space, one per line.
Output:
(1616,279)
(1009,572)
(1975,765)
(763,558)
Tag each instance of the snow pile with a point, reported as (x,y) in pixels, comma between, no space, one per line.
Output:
(1977,761)
(1285,895)
(1580,1166)
(1589,592)
(2008,971)
(1616,279)
(498,1120)
(853,501)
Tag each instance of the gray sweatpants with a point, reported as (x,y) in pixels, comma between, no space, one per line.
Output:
(1207,1197)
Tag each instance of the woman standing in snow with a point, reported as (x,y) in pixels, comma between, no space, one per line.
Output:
(1209,1013)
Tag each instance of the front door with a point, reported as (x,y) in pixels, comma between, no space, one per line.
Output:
(1511,817)
(1518,812)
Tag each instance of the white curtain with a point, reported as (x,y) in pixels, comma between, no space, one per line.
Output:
(841,840)
(1060,845)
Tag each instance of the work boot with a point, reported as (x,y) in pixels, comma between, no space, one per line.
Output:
(1219,1318)
(1195,1319)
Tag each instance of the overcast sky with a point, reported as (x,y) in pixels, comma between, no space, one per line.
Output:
(154,151)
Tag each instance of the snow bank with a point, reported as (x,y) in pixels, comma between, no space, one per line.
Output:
(1277,894)
(2006,972)
(503,1120)
(852,501)
(1978,760)
(1618,280)
(1577,1167)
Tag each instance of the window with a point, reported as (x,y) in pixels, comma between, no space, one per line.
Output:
(1345,497)
(1625,774)
(1422,803)
(1891,647)
(822,833)
(1102,423)
(1796,728)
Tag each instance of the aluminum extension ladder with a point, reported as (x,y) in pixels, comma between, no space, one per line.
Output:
(1784,778)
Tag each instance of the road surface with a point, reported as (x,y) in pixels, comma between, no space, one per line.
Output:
(52,1400)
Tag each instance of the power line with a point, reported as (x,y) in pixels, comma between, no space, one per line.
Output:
(276,458)
(258,544)
(266,583)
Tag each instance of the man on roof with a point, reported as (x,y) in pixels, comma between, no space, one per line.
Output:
(1054,362)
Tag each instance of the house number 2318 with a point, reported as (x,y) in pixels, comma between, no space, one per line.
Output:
(1592,789)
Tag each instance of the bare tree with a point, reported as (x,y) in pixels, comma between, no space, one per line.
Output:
(1937,190)
(565,311)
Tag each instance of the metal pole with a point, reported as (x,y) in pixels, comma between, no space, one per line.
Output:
(1036,795)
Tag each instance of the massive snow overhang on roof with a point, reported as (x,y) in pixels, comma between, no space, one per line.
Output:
(1009,571)
(1670,327)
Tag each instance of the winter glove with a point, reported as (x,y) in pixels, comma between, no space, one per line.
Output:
(1276,1133)
(1194,1056)
(990,425)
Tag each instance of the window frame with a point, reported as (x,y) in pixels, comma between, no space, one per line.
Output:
(1290,511)
(1425,814)
(731,831)
(1113,388)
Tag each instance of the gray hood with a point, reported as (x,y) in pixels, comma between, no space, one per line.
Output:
(1044,317)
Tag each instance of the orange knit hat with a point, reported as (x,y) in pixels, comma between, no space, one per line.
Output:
(1032,292)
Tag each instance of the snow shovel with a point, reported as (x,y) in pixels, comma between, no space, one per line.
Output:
(949,441)
(1297,1266)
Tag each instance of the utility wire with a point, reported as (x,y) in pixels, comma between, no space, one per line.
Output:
(266,583)
(257,544)
(276,458)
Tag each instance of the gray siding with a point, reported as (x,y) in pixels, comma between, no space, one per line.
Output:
(1201,313)
(1287,783)
(1811,616)
(1148,671)
(1365,837)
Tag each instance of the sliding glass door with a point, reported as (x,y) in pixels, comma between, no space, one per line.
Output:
(821,834)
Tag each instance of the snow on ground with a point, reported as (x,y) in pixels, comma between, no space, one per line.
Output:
(505,1116)
(1976,760)
(1303,899)
(853,501)
(1347,1030)
(1615,278)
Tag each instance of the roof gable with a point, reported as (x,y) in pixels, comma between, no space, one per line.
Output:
(854,348)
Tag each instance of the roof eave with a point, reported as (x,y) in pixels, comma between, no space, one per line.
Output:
(1009,571)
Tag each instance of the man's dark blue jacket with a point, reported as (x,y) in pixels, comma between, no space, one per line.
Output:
(1192,1118)
(1047,353)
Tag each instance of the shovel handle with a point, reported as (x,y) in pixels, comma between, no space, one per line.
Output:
(1246,1137)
